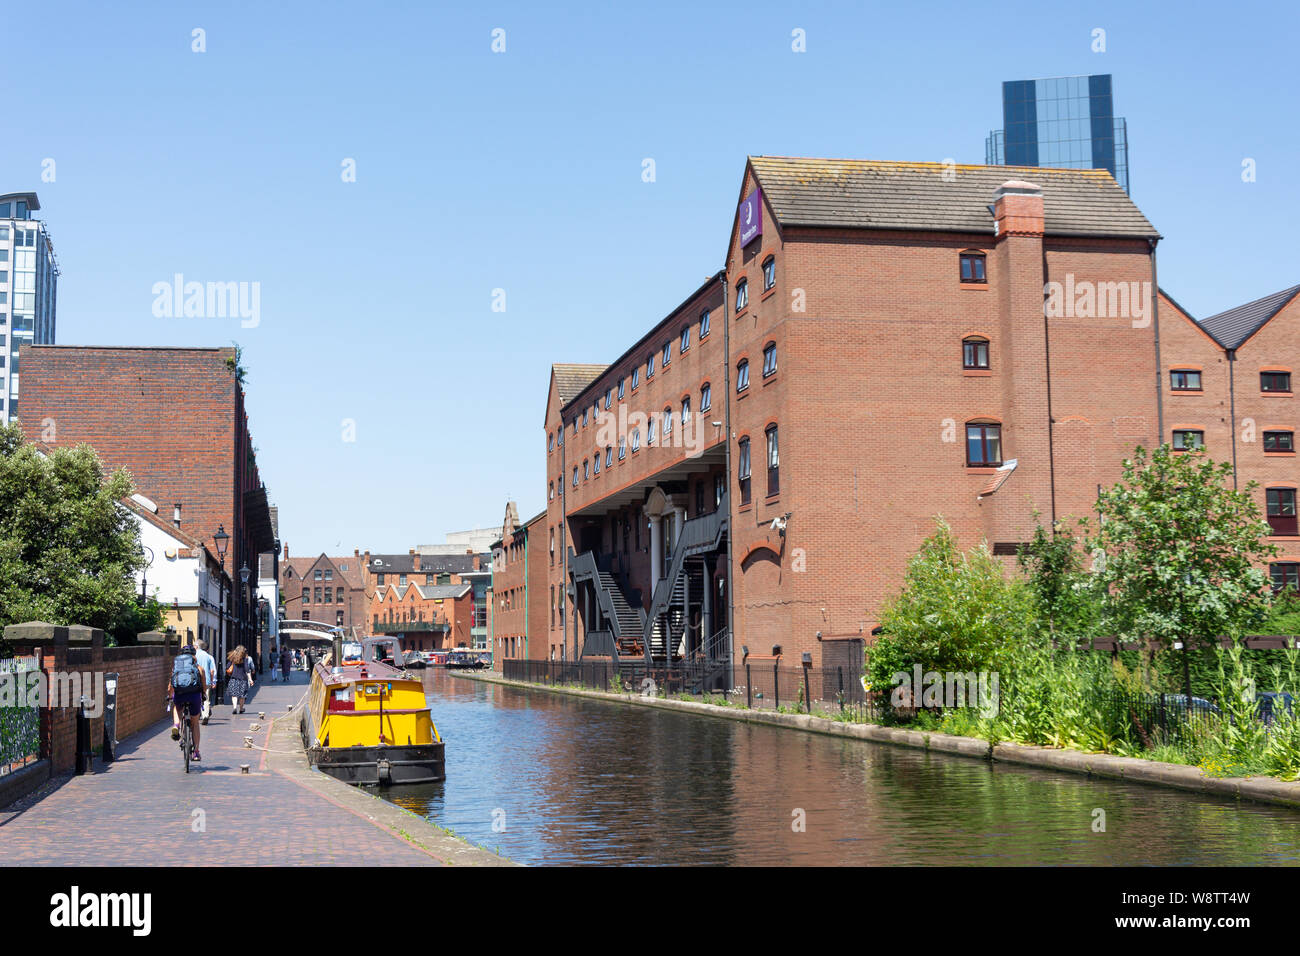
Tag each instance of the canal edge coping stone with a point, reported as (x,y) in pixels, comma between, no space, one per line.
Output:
(1109,766)
(285,754)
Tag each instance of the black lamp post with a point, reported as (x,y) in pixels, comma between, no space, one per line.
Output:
(243,611)
(222,541)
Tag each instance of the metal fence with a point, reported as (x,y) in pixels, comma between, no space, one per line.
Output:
(20,718)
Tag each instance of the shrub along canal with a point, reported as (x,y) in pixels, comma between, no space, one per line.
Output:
(574,781)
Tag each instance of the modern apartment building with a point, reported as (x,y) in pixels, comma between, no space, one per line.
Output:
(1067,122)
(874,354)
(29,282)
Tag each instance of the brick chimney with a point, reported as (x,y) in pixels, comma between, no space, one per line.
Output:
(286,551)
(415,563)
(1018,209)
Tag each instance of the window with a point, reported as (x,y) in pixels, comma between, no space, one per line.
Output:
(595,464)
(1279,441)
(668,422)
(773,462)
(975,352)
(972,267)
(668,354)
(649,433)
(609,455)
(584,419)
(717,492)
(329,574)
(1285,574)
(650,367)
(1281,510)
(317,596)
(379,579)
(550,443)
(686,411)
(622,448)
(742,295)
(401,580)
(1185,380)
(769,359)
(575,476)
(706,397)
(586,468)
(550,491)
(983,444)
(329,595)
(704,324)
(636,439)
(317,574)
(620,388)
(636,377)
(1186,439)
(306,595)
(742,375)
(685,342)
(769,272)
(608,395)
(742,471)
(1275,381)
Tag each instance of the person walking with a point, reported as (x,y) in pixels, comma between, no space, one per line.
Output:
(286,662)
(209,667)
(239,677)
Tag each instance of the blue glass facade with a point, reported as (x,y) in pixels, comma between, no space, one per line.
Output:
(1066,122)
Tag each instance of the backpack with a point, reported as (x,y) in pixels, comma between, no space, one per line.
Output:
(185,673)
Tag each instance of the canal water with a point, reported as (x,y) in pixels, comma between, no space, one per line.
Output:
(551,779)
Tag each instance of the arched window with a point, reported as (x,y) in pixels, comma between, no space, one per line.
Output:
(706,397)
(742,470)
(773,462)
(769,272)
(975,352)
(742,375)
(742,295)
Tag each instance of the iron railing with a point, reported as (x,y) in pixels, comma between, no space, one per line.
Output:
(20,717)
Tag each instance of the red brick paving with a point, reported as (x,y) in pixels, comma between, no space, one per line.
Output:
(141,809)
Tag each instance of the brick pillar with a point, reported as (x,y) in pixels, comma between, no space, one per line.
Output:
(58,732)
(91,638)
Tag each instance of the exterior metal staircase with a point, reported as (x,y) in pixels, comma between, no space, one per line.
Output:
(626,621)
(699,535)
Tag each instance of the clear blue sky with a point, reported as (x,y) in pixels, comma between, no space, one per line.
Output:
(522,171)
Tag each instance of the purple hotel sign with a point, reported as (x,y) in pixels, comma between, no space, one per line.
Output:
(751,218)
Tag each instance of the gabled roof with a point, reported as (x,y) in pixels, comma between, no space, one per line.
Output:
(439,592)
(571,379)
(868,194)
(1233,327)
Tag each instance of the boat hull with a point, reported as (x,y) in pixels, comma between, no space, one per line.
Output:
(382,765)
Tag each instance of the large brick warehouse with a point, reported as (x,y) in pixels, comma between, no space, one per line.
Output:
(886,342)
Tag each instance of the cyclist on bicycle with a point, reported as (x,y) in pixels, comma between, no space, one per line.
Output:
(188,684)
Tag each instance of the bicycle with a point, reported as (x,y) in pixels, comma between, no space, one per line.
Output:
(187,735)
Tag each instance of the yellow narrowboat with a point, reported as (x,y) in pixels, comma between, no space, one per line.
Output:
(369,723)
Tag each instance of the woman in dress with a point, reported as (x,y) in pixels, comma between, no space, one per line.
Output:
(239,677)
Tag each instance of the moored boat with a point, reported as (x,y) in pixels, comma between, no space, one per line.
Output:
(370,723)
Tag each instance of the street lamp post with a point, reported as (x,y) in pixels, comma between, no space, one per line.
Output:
(243,615)
(222,541)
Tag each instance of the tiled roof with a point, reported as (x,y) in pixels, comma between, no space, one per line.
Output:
(866,194)
(1231,328)
(302,568)
(429,563)
(571,379)
(998,478)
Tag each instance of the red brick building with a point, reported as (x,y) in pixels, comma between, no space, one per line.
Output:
(427,617)
(1227,387)
(326,589)
(878,353)
(519,574)
(175,418)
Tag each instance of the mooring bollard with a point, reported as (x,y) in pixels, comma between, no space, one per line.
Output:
(84,756)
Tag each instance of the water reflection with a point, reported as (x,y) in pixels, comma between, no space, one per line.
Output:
(582,781)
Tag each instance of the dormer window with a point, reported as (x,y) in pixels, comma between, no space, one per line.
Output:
(972,267)
(975,352)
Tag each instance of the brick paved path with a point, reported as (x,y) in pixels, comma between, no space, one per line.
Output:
(141,809)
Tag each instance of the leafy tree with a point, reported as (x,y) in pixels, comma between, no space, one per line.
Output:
(1181,550)
(1065,594)
(69,551)
(957,612)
